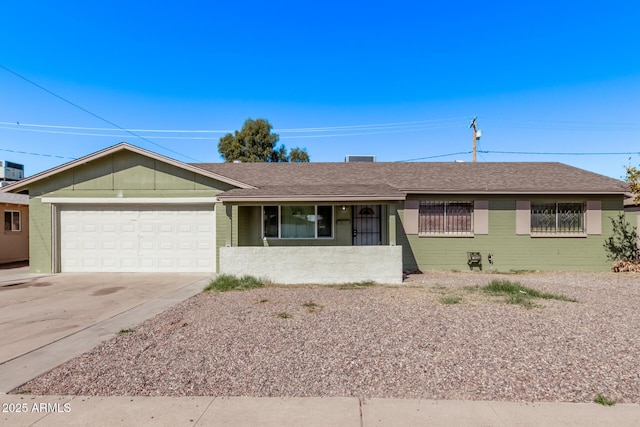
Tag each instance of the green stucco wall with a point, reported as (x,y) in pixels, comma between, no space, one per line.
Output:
(40,237)
(124,175)
(510,251)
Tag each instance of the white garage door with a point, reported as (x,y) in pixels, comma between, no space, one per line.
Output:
(137,238)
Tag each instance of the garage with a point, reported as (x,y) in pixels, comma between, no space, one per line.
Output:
(137,238)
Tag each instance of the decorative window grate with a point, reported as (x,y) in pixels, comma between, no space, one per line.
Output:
(445,217)
(557,218)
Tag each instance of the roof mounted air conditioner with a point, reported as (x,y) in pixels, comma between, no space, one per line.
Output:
(359,158)
(10,171)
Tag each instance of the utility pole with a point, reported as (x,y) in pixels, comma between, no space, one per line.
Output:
(476,136)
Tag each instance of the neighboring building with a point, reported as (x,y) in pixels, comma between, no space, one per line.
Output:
(14,239)
(127,209)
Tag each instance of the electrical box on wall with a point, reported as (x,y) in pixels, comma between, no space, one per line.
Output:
(10,171)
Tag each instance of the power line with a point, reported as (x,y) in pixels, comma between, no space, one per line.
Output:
(93,114)
(61,132)
(353,134)
(420,124)
(36,154)
(380,131)
(415,125)
(559,153)
(436,156)
(373,126)
(564,125)
(28,125)
(524,153)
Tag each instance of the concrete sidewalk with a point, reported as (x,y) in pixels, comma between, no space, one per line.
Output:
(283,412)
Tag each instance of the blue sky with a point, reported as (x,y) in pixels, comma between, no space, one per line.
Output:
(398,80)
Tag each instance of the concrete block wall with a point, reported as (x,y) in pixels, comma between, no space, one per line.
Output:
(313,264)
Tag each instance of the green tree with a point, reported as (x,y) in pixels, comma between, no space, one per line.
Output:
(256,143)
(298,155)
(633,178)
(623,244)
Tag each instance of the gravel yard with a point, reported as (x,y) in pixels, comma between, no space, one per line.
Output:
(379,341)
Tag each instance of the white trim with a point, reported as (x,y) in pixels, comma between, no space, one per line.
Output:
(130,200)
(56,250)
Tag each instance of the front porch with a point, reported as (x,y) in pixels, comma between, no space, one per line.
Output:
(330,242)
(315,264)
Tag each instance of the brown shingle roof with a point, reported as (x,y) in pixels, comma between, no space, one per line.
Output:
(16,199)
(424,177)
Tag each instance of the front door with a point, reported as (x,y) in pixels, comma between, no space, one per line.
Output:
(366,225)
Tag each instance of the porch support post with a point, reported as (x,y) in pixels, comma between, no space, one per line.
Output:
(234,225)
(227,225)
(393,212)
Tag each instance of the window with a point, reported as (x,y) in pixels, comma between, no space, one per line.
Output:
(557,218)
(271,223)
(298,222)
(445,218)
(12,221)
(325,221)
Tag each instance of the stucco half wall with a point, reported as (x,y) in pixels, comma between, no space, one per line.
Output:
(315,264)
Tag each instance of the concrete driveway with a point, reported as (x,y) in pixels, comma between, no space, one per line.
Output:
(37,310)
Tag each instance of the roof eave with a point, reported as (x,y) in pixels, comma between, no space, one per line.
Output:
(531,192)
(310,198)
